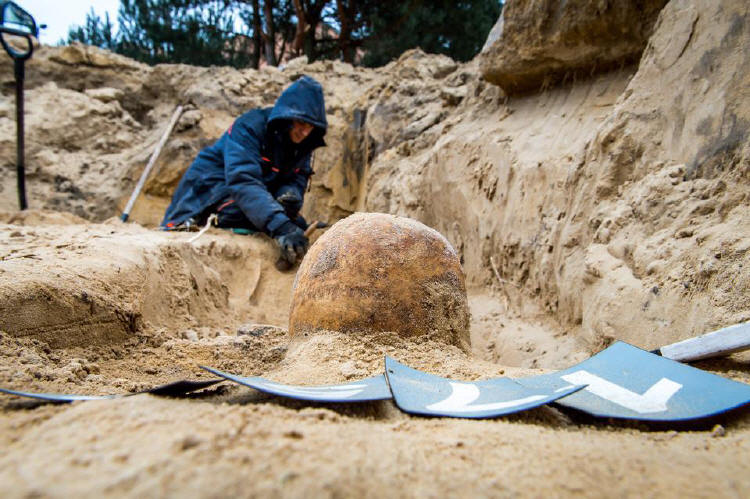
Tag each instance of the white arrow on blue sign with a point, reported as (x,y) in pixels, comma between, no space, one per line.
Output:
(418,392)
(629,383)
(374,388)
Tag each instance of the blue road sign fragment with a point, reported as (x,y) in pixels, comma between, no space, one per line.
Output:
(365,390)
(56,397)
(173,389)
(181,387)
(418,392)
(629,383)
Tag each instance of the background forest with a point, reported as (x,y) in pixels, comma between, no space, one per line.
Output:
(251,33)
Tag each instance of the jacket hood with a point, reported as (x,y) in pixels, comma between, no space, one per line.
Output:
(303,101)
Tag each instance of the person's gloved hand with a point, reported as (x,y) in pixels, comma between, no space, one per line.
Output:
(292,242)
(291,202)
(289,198)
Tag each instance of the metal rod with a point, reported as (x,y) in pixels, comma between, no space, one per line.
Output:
(724,341)
(20,168)
(150,165)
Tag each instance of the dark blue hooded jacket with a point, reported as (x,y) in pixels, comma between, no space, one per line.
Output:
(254,162)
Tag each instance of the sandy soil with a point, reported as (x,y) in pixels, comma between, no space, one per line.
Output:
(232,441)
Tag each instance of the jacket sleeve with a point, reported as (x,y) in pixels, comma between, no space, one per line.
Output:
(244,177)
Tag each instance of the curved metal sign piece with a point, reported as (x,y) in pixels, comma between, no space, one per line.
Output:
(365,390)
(173,389)
(418,392)
(629,383)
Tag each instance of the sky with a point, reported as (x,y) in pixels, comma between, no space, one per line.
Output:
(59,15)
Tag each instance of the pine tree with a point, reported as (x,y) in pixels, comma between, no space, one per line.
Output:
(456,29)
(96,31)
(199,32)
(242,32)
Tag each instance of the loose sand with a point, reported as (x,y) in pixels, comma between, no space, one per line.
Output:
(232,441)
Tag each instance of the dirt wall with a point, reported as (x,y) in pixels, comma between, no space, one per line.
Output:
(618,203)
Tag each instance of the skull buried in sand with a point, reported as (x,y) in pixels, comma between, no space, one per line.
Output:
(375,272)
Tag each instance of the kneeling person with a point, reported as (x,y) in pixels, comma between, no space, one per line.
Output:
(254,177)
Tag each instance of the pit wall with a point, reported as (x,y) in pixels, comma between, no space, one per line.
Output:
(84,285)
(618,204)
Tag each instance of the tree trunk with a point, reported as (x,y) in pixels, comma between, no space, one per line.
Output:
(302,28)
(313,16)
(346,12)
(257,35)
(269,34)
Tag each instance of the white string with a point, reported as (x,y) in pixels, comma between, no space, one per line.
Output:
(211,221)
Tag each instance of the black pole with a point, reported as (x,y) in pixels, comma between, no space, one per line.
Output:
(14,21)
(20,169)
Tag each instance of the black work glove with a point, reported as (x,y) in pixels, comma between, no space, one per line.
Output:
(291,202)
(292,242)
